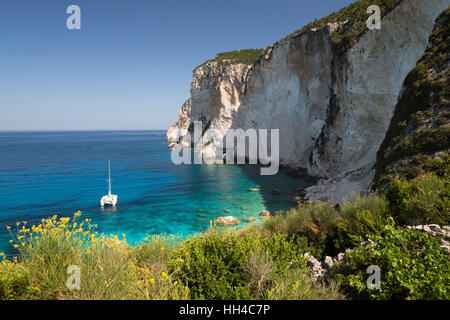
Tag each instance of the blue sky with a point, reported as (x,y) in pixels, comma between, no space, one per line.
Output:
(130,65)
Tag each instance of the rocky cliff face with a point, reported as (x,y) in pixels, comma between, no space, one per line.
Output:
(216,95)
(418,138)
(333,104)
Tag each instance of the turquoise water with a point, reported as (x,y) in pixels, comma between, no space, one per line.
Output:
(46,173)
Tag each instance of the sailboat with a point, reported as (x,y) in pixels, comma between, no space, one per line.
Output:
(110,199)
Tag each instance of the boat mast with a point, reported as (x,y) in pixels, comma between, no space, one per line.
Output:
(109,177)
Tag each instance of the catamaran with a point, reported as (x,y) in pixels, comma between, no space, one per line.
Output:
(110,199)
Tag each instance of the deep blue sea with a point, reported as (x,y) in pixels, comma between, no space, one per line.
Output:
(47,173)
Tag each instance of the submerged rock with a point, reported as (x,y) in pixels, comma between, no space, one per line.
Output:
(250,219)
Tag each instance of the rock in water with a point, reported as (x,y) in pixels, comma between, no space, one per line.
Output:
(227,221)
(250,219)
(275,191)
(265,213)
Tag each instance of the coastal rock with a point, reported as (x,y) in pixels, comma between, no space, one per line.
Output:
(317,272)
(250,219)
(265,213)
(227,221)
(302,193)
(369,243)
(340,257)
(319,269)
(437,231)
(328,262)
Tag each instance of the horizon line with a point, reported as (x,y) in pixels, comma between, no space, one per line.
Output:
(80,130)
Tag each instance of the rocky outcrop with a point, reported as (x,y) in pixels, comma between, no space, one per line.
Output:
(319,269)
(227,221)
(216,94)
(434,230)
(332,104)
(265,214)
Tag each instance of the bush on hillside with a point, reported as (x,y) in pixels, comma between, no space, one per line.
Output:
(412,264)
(224,265)
(361,219)
(422,200)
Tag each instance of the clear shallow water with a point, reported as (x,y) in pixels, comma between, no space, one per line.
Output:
(46,173)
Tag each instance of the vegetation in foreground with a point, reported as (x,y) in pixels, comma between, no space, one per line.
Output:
(258,262)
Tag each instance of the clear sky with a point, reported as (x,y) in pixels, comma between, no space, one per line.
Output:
(130,65)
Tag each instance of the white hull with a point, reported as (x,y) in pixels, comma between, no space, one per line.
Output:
(110,200)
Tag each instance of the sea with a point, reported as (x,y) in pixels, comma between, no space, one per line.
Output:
(48,173)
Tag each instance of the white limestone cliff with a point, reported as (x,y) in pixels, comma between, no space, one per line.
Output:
(332,109)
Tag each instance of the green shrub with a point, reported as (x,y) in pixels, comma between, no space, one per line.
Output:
(361,218)
(295,285)
(312,221)
(422,200)
(245,56)
(356,15)
(220,265)
(109,267)
(412,264)
(14,281)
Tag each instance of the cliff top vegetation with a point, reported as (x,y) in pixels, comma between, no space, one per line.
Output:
(245,56)
(355,14)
